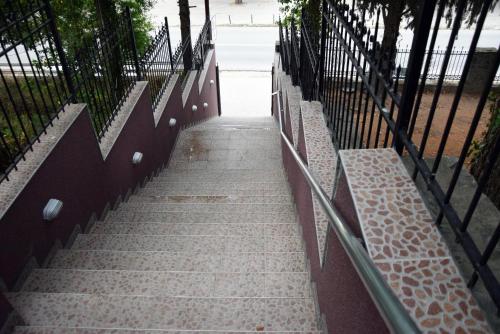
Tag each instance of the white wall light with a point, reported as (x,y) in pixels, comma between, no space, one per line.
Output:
(194,107)
(52,209)
(211,82)
(137,158)
(172,122)
(205,105)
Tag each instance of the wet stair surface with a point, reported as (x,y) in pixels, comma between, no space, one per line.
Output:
(211,244)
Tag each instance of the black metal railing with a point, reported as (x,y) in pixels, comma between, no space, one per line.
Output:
(202,46)
(37,79)
(367,104)
(34,78)
(105,71)
(158,63)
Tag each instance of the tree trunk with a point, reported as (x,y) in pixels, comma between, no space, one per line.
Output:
(186,33)
(392,22)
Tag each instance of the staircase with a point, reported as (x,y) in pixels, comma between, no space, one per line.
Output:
(210,244)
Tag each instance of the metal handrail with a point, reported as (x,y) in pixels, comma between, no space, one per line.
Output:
(395,315)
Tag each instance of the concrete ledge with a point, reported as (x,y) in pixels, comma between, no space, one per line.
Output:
(204,72)
(189,85)
(122,116)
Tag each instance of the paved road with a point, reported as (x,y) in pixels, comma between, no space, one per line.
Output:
(241,48)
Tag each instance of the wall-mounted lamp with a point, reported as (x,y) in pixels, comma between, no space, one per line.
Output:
(137,158)
(52,209)
(172,122)
(194,107)
(205,105)
(211,82)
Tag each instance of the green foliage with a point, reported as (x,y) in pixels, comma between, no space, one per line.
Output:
(480,148)
(76,19)
(290,9)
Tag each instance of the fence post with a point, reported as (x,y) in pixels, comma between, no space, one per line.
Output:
(133,44)
(417,54)
(60,51)
(207,18)
(322,46)
(218,89)
(169,44)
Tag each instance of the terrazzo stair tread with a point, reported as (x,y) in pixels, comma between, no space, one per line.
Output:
(235,175)
(221,165)
(66,330)
(274,208)
(230,178)
(167,189)
(222,217)
(406,245)
(168,283)
(182,228)
(177,313)
(194,244)
(179,261)
(210,199)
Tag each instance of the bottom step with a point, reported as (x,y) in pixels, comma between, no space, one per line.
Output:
(55,330)
(168,313)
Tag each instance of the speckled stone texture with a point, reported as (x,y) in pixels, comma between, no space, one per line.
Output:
(211,244)
(321,159)
(406,246)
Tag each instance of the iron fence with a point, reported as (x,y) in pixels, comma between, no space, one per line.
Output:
(455,67)
(105,71)
(367,104)
(158,63)
(202,46)
(35,81)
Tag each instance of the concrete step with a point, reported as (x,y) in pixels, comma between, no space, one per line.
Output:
(167,283)
(143,312)
(188,243)
(212,229)
(210,199)
(198,164)
(222,216)
(226,176)
(159,188)
(179,261)
(270,208)
(62,330)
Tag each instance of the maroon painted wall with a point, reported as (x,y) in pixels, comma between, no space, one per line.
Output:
(76,173)
(342,297)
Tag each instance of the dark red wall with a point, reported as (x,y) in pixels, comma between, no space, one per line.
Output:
(342,297)
(76,173)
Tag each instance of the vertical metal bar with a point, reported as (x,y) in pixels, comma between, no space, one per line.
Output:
(417,55)
(322,53)
(60,50)
(133,44)
(169,44)
(218,89)
(207,18)
(426,68)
